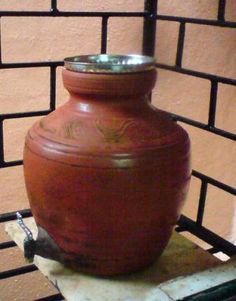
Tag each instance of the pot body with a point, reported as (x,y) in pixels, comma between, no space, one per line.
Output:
(107,174)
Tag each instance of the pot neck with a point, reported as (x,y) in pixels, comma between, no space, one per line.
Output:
(100,104)
(109,86)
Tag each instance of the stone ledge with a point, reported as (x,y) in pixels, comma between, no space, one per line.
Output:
(176,274)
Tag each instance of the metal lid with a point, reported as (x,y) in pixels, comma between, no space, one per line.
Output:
(109,63)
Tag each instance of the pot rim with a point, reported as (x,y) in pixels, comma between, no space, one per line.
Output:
(109,63)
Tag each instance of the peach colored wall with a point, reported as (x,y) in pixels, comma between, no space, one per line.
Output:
(207,49)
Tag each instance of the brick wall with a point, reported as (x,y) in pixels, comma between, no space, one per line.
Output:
(207,48)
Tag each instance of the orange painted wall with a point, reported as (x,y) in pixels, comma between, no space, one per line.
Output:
(207,49)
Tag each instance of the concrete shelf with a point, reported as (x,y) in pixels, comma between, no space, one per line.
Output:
(183,269)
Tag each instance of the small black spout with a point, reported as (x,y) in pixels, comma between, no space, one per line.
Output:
(29,242)
(29,249)
(43,246)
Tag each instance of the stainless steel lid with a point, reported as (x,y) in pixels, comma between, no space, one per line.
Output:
(109,63)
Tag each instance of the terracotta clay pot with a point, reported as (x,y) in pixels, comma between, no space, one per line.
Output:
(106,173)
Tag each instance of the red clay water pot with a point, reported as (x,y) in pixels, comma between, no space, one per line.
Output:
(106,173)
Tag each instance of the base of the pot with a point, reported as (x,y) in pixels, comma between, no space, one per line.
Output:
(108,269)
(115,265)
